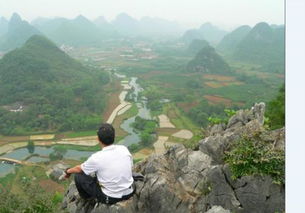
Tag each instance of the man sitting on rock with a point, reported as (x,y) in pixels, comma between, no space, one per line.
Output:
(113,168)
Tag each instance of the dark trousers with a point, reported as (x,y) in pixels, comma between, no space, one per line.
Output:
(88,188)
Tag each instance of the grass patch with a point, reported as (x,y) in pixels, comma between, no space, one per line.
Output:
(178,119)
(81,134)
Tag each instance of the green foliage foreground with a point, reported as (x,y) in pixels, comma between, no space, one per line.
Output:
(36,201)
(256,157)
(147,129)
(276,110)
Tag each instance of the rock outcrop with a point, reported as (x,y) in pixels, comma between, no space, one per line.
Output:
(185,180)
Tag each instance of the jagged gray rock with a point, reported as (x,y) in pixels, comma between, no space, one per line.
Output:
(185,180)
(217,209)
(56,171)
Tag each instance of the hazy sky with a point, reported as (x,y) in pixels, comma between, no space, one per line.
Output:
(225,13)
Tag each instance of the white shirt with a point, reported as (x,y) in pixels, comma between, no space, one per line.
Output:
(113,167)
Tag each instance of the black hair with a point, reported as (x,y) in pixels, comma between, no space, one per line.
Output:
(106,134)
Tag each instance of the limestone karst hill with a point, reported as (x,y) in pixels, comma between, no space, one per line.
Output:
(185,180)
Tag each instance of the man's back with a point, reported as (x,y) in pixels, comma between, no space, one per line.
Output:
(113,167)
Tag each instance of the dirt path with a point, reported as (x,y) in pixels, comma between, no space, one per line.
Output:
(42,137)
(164,122)
(161,144)
(120,107)
(184,133)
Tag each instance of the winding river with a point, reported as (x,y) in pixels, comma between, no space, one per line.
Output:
(143,112)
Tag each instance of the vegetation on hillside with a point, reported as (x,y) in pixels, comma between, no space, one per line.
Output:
(253,156)
(276,110)
(208,61)
(147,129)
(265,46)
(57,93)
(36,201)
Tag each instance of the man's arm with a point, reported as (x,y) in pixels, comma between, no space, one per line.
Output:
(75,169)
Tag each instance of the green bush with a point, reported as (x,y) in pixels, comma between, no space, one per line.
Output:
(276,110)
(35,201)
(216,119)
(58,153)
(255,157)
(31,147)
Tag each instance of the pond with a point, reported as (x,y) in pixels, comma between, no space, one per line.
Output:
(40,154)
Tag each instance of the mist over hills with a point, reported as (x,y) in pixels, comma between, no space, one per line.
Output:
(78,31)
(232,39)
(196,45)
(105,26)
(207,32)
(264,45)
(18,31)
(127,25)
(3,26)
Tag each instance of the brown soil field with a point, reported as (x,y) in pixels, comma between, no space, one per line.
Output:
(213,99)
(191,74)
(218,77)
(166,131)
(217,84)
(143,153)
(186,107)
(213,84)
(51,186)
(6,139)
(113,101)
(280,75)
(116,125)
(232,83)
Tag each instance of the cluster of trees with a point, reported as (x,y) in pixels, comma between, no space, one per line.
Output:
(35,200)
(201,113)
(147,130)
(153,98)
(254,156)
(276,110)
(207,60)
(58,153)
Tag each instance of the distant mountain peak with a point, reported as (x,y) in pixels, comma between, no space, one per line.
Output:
(81,18)
(18,32)
(125,17)
(15,18)
(40,40)
(207,31)
(231,40)
(262,24)
(207,24)
(208,60)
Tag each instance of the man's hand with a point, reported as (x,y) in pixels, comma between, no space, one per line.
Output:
(67,174)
